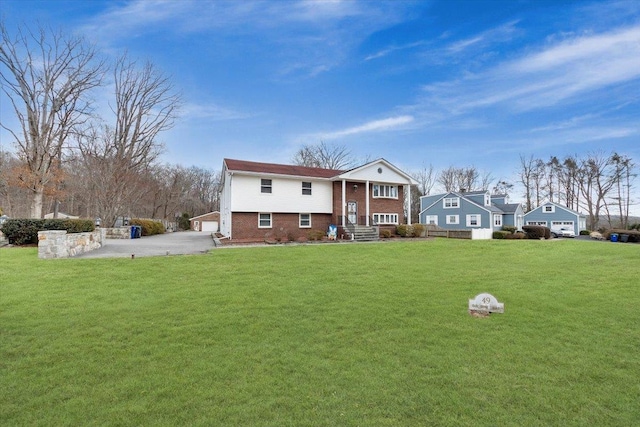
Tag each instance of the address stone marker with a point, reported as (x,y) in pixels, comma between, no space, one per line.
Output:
(485,303)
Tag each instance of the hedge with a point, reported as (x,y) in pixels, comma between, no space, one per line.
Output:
(634,236)
(149,226)
(537,232)
(25,231)
(501,234)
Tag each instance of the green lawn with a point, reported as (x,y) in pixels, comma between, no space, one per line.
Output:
(325,335)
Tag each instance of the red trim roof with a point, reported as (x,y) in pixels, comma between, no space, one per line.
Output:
(276,169)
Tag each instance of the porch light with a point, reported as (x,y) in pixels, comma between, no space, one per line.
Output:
(355,187)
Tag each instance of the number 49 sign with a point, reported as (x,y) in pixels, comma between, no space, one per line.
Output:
(486,303)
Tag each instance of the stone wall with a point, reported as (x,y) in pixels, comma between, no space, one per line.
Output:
(117,232)
(60,244)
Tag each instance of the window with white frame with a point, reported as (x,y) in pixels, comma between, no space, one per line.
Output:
(451,202)
(497,220)
(549,209)
(306,188)
(264,220)
(385,191)
(305,220)
(431,219)
(453,219)
(265,186)
(543,223)
(474,220)
(385,218)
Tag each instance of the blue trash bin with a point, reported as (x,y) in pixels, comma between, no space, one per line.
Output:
(614,237)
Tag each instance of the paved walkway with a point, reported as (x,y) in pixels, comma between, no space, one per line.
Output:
(178,243)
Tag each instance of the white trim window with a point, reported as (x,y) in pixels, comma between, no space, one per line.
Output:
(474,220)
(306,188)
(451,202)
(382,191)
(385,218)
(548,209)
(266,186)
(304,220)
(542,223)
(264,220)
(497,220)
(453,219)
(431,219)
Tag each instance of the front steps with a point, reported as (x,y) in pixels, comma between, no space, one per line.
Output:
(363,233)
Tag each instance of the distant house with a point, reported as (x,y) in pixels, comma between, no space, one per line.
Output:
(556,216)
(206,222)
(266,199)
(470,210)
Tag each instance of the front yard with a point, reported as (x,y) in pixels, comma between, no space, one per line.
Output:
(361,334)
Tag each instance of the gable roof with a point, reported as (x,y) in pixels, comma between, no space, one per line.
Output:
(348,174)
(205,214)
(558,206)
(279,169)
(508,207)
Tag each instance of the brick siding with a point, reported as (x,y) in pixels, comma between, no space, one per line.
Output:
(283,226)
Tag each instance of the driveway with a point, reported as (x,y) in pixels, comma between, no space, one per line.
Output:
(178,243)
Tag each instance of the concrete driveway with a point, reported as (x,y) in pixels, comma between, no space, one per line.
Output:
(178,243)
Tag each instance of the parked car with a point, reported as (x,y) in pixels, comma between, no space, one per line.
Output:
(563,232)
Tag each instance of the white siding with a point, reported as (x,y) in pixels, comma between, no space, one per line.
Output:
(286,195)
(225,206)
(370,173)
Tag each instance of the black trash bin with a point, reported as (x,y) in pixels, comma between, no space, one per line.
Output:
(624,238)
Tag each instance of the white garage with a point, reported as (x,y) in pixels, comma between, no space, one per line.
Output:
(206,222)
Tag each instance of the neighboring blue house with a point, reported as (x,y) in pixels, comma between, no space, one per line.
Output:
(470,210)
(556,216)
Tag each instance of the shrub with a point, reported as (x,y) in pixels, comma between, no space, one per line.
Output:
(585,233)
(149,226)
(516,236)
(501,234)
(509,228)
(537,231)
(418,230)
(385,234)
(634,235)
(183,222)
(404,230)
(25,231)
(315,235)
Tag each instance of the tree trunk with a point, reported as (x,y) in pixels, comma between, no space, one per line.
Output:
(35,210)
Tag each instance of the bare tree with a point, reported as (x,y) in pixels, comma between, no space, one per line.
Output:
(46,75)
(526,179)
(120,155)
(595,184)
(426,179)
(462,179)
(324,156)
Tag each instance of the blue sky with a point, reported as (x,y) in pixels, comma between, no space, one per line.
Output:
(447,83)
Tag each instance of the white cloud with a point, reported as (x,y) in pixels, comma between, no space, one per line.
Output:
(191,111)
(557,74)
(381,125)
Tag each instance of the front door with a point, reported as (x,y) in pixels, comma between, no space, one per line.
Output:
(352,212)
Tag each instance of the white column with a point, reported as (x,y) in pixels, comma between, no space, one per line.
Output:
(366,203)
(407,188)
(344,201)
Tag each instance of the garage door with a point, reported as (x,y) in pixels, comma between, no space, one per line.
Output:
(210,226)
(561,224)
